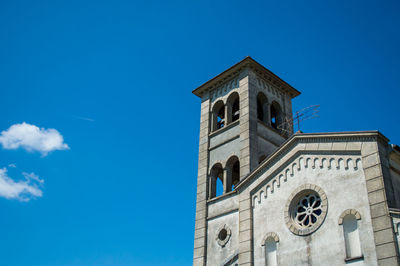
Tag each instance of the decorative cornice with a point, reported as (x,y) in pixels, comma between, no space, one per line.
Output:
(302,163)
(311,138)
(233,71)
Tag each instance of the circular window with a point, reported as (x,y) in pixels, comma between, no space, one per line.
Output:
(223,235)
(306,209)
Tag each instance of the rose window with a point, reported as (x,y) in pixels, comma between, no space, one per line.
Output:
(308,210)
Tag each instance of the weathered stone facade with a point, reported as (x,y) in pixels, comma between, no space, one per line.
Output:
(285,199)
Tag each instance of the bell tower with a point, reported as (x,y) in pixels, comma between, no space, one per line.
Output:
(243,110)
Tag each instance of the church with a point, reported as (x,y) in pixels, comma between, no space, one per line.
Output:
(269,196)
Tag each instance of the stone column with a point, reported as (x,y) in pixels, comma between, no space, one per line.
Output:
(245,230)
(375,164)
(226,114)
(200,234)
(212,186)
(227,179)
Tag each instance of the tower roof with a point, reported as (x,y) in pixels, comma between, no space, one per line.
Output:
(255,66)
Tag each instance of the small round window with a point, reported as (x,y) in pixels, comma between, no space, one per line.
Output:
(223,235)
(306,209)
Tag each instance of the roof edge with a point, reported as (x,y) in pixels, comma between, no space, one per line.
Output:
(299,136)
(247,61)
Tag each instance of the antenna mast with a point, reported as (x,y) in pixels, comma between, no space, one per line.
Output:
(304,114)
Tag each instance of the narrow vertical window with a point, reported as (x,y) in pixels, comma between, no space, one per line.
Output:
(270,252)
(233,107)
(216,181)
(349,221)
(262,107)
(351,237)
(220,118)
(233,173)
(218,115)
(270,244)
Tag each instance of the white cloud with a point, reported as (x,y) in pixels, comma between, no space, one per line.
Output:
(32,176)
(32,138)
(21,190)
(12,165)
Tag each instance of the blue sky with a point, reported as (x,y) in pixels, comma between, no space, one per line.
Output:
(115,182)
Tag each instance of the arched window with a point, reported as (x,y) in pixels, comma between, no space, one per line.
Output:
(216,181)
(351,235)
(233,107)
(235,175)
(218,115)
(262,107)
(233,172)
(276,115)
(270,244)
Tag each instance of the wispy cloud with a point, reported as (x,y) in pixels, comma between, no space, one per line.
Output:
(85,118)
(12,165)
(23,190)
(32,138)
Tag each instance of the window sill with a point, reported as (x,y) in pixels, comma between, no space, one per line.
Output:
(277,131)
(354,258)
(220,130)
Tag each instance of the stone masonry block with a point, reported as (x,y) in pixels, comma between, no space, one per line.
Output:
(386,251)
(244,215)
(325,146)
(245,246)
(245,204)
(201,205)
(370,160)
(243,83)
(200,197)
(203,156)
(388,262)
(200,223)
(200,214)
(204,138)
(245,236)
(339,146)
(381,223)
(384,236)
(199,232)
(312,146)
(198,252)
(203,163)
(245,160)
(375,184)
(244,135)
(378,210)
(368,148)
(202,172)
(199,242)
(244,258)
(244,111)
(245,225)
(376,197)
(244,126)
(372,172)
(198,261)
(353,146)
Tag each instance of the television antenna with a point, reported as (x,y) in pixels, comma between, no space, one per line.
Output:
(304,114)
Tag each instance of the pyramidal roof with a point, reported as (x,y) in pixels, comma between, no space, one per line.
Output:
(235,69)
